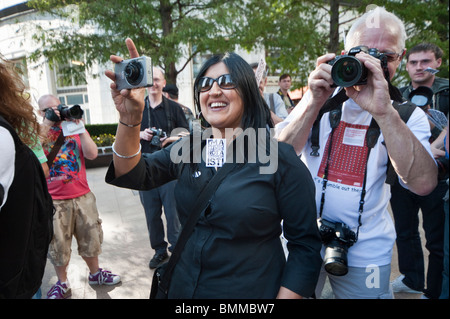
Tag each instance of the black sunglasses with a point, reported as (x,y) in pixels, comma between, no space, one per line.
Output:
(224,81)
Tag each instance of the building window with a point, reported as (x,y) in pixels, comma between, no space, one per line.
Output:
(70,75)
(22,69)
(198,61)
(71,87)
(75,99)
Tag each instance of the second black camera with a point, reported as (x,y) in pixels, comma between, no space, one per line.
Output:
(337,239)
(158,134)
(74,112)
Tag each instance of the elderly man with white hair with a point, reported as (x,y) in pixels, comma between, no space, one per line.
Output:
(348,152)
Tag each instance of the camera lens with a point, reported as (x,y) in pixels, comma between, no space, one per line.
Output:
(72,113)
(335,260)
(134,72)
(75,112)
(347,71)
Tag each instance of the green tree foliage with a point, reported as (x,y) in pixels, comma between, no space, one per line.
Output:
(292,32)
(295,32)
(425,21)
(288,32)
(168,31)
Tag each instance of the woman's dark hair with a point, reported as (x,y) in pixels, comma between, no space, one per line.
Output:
(256,113)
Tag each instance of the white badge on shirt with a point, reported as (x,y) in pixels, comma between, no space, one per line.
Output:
(354,136)
(216,150)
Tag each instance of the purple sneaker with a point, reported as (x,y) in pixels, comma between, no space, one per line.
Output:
(59,291)
(103,277)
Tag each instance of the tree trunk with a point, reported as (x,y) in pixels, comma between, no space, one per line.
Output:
(333,45)
(165,10)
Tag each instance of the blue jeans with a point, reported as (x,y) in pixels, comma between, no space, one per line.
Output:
(153,201)
(38,294)
(405,208)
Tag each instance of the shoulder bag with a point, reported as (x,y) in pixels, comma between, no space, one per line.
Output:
(163,273)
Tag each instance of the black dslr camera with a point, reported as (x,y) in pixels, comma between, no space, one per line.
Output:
(347,70)
(337,238)
(66,113)
(157,135)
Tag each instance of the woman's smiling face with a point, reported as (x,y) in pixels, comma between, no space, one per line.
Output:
(221,108)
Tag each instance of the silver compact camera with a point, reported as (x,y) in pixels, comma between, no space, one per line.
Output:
(134,73)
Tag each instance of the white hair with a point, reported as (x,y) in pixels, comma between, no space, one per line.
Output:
(161,70)
(377,18)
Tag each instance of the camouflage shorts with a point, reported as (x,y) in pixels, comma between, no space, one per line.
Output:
(75,217)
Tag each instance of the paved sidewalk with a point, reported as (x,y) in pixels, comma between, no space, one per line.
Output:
(126,247)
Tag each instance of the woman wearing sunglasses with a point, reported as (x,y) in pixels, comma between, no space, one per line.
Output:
(235,249)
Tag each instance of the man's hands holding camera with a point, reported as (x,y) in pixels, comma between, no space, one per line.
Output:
(146,134)
(63,113)
(372,97)
(158,137)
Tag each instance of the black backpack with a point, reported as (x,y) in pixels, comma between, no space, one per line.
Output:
(26,225)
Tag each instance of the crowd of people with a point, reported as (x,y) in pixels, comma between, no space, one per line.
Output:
(344,155)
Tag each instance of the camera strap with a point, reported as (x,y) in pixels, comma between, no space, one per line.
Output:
(51,156)
(372,135)
(167,111)
(332,103)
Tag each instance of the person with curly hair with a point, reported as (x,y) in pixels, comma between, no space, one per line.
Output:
(26,207)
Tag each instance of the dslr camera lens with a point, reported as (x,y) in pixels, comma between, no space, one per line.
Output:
(74,112)
(348,71)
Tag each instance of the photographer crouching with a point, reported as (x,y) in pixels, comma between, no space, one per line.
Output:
(348,137)
(160,117)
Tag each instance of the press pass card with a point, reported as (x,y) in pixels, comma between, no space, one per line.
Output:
(72,128)
(216,149)
(259,73)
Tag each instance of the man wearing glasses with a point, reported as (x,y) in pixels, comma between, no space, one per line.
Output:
(348,152)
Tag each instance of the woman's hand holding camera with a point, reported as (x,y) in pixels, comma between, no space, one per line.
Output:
(129,103)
